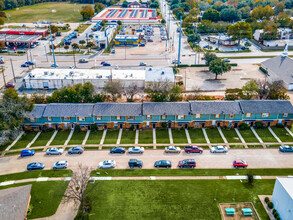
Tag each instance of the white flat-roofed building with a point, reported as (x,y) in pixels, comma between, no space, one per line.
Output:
(283,197)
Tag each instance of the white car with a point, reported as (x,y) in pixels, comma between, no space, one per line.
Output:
(60,165)
(172,149)
(107,164)
(54,151)
(135,150)
(219,149)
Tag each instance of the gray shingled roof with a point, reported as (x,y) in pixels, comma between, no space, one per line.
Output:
(68,110)
(166,108)
(117,109)
(38,111)
(266,106)
(215,107)
(14,202)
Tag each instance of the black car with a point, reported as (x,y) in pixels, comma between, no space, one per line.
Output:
(135,163)
(163,163)
(117,150)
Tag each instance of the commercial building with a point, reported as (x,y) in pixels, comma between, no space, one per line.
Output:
(12,39)
(283,197)
(195,114)
(127,40)
(59,78)
(103,38)
(222,40)
(24,31)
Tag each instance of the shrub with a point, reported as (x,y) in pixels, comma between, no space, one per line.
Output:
(274,211)
(250,178)
(180,83)
(270,205)
(77,128)
(198,65)
(263,70)
(267,199)
(278,218)
(259,125)
(183,65)
(94,127)
(44,128)
(279,125)
(244,126)
(164,124)
(276,214)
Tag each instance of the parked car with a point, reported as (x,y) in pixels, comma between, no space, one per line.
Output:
(188,163)
(107,164)
(112,51)
(286,148)
(142,45)
(83,60)
(60,165)
(150,40)
(35,166)
(30,63)
(193,149)
(135,163)
(172,149)
(240,163)
(54,65)
(219,149)
(24,65)
(76,150)
(142,64)
(163,163)
(175,62)
(54,151)
(226,60)
(135,150)
(102,62)
(26,152)
(117,150)
(9,85)
(106,64)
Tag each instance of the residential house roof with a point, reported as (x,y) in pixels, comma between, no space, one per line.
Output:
(14,202)
(215,107)
(266,106)
(166,108)
(117,109)
(38,111)
(68,110)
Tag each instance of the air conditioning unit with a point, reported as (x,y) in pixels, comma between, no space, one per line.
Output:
(46,73)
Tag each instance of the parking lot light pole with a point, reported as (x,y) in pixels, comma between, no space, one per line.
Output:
(12,70)
(179,48)
(46,53)
(52,46)
(2,71)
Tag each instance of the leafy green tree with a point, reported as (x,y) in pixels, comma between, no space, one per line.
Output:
(89,45)
(279,7)
(2,20)
(163,91)
(125,4)
(209,57)
(54,29)
(270,32)
(283,20)
(2,46)
(82,42)
(245,12)
(74,46)
(99,7)
(250,89)
(230,15)
(193,38)
(163,21)
(218,67)
(87,12)
(239,31)
(114,88)
(205,26)
(119,22)
(212,15)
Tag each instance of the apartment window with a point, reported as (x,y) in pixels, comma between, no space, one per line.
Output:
(130,118)
(163,117)
(217,115)
(248,115)
(118,117)
(32,120)
(265,115)
(66,118)
(148,116)
(49,118)
(81,118)
(99,117)
(197,115)
(285,115)
(231,116)
(180,117)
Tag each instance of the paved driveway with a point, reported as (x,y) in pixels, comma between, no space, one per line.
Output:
(256,158)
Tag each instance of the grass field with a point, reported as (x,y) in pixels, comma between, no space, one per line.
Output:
(4,146)
(248,136)
(273,145)
(179,136)
(111,137)
(145,137)
(60,137)
(25,139)
(128,137)
(196,135)
(236,146)
(95,137)
(45,197)
(162,136)
(282,134)
(265,135)
(214,135)
(231,135)
(255,146)
(43,139)
(81,28)
(173,199)
(64,12)
(77,138)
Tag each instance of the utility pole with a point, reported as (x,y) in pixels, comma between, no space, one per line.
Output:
(2,71)
(169,26)
(12,70)
(74,57)
(55,65)
(28,66)
(46,53)
(179,49)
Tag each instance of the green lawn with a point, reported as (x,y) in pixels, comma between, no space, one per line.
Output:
(265,135)
(162,136)
(45,197)
(179,136)
(273,145)
(95,137)
(145,137)
(231,135)
(173,199)
(4,146)
(77,138)
(196,135)
(255,146)
(18,152)
(282,134)
(214,135)
(25,139)
(128,137)
(248,136)
(64,12)
(43,139)
(111,137)
(60,137)
(236,146)
(81,28)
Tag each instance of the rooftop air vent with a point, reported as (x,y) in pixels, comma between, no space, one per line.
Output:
(162,73)
(45,73)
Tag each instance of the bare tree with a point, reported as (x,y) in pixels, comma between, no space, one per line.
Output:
(77,189)
(131,91)
(114,88)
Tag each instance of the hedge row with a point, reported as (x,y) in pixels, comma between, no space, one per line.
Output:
(200,65)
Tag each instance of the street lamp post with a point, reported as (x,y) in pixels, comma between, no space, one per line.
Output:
(2,71)
(55,65)
(46,53)
(12,70)
(74,57)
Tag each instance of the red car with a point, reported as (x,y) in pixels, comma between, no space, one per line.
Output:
(188,163)
(193,149)
(240,163)
(9,85)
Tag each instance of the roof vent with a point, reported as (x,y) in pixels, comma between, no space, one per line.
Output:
(52,73)
(150,69)
(99,76)
(71,73)
(162,73)
(45,73)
